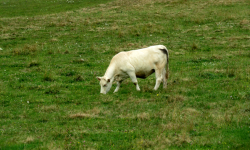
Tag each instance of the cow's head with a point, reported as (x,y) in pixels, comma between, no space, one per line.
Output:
(105,84)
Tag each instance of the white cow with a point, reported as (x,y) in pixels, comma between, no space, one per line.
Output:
(137,63)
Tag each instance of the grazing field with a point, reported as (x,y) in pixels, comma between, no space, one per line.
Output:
(52,51)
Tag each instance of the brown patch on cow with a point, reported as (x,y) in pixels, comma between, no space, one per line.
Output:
(135,83)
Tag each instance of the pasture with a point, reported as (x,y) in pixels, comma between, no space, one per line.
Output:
(52,51)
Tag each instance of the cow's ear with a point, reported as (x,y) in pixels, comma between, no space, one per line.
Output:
(99,78)
(108,80)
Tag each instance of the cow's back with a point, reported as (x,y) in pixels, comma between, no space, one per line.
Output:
(147,57)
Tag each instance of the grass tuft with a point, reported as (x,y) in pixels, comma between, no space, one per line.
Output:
(52,89)
(78,78)
(66,52)
(33,63)
(194,47)
(25,50)
(78,61)
(48,77)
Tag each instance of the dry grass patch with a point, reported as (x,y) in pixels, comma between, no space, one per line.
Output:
(6,36)
(186,79)
(171,126)
(52,146)
(51,108)
(233,38)
(191,111)
(163,142)
(236,113)
(176,98)
(140,116)
(81,115)
(180,119)
(215,70)
(219,119)
(93,113)
(143,116)
(129,3)
(244,22)
(54,40)
(181,138)
(29,139)
(127,116)
(232,115)
(131,99)
(225,2)
(25,50)
(185,124)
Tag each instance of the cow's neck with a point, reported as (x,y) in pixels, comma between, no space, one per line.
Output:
(110,73)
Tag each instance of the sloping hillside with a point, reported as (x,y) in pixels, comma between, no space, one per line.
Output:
(50,97)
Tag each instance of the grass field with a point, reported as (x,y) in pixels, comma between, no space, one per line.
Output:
(52,51)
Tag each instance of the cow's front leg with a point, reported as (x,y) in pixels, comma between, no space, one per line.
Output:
(134,79)
(118,86)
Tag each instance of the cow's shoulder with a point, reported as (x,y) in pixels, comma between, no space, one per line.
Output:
(120,56)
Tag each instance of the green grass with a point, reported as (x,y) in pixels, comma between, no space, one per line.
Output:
(49,95)
(30,8)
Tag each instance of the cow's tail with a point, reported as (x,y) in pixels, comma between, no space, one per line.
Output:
(167,68)
(165,51)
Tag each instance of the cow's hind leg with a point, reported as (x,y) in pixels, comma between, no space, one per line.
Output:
(164,79)
(159,78)
(118,86)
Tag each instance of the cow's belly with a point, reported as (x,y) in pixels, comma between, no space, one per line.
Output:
(144,73)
